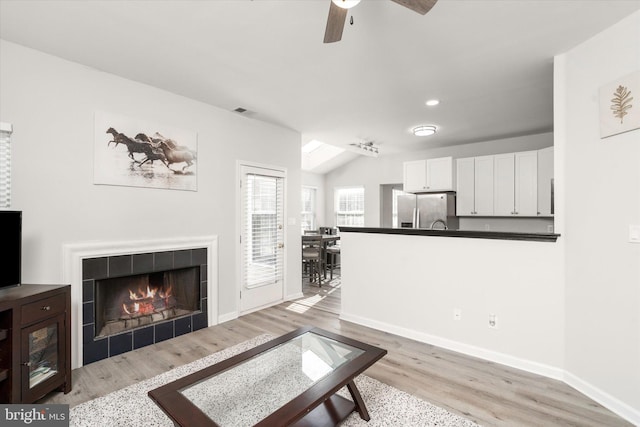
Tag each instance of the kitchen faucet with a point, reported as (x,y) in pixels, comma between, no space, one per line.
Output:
(437,221)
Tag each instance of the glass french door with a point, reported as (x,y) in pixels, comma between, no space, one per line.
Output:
(262,237)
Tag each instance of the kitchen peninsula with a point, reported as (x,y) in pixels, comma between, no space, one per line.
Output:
(494,295)
(472,234)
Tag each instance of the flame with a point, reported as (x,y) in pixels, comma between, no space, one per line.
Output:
(144,302)
(150,293)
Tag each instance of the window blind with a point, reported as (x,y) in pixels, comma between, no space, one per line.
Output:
(6,130)
(308,215)
(349,203)
(263,230)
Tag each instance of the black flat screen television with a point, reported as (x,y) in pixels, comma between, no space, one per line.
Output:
(11,243)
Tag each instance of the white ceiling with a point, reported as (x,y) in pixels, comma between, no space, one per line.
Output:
(489,62)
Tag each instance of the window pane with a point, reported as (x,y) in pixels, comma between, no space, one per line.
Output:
(5,165)
(350,206)
(308,214)
(263,260)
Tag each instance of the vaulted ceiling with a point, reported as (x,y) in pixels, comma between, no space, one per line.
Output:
(490,63)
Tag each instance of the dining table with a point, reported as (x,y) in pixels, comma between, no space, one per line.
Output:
(326,240)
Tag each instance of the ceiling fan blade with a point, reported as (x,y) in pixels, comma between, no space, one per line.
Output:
(335,23)
(420,6)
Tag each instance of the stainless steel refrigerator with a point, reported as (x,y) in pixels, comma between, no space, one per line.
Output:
(432,211)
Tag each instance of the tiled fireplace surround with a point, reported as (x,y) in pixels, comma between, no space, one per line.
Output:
(94,269)
(87,263)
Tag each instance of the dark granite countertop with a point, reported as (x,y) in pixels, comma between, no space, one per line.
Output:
(500,235)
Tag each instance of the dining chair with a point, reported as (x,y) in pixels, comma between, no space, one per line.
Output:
(312,257)
(333,257)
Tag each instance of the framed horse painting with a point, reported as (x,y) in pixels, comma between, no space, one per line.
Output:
(137,153)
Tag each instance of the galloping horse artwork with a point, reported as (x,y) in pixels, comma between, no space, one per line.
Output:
(134,153)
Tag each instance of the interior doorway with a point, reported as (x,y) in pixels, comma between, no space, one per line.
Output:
(388,210)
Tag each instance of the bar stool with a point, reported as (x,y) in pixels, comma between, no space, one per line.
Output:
(333,253)
(312,257)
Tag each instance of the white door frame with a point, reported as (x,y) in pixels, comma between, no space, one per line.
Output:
(277,170)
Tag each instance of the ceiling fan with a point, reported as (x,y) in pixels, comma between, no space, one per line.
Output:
(339,8)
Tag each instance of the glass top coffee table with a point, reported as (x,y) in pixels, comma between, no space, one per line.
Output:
(290,380)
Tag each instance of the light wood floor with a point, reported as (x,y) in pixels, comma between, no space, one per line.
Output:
(488,393)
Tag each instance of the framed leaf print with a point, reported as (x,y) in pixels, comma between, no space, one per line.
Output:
(620,105)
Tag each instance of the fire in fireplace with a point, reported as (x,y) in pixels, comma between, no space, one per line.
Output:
(125,303)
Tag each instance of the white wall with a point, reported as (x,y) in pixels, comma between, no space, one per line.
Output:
(316,181)
(602,197)
(371,172)
(410,286)
(51,104)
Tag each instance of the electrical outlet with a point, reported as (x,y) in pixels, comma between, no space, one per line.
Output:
(550,228)
(457,314)
(493,321)
(487,227)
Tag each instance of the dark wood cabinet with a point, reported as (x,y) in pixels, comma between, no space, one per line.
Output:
(35,342)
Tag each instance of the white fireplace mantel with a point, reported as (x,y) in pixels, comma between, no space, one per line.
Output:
(74,253)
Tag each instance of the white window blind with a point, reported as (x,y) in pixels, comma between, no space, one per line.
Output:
(5,164)
(263,233)
(308,216)
(349,206)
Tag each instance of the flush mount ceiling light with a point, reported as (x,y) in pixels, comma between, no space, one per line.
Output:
(424,130)
(345,4)
(432,102)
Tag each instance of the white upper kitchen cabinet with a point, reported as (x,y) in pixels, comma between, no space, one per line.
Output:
(545,182)
(526,187)
(515,184)
(504,184)
(465,186)
(474,186)
(428,175)
(484,185)
(415,176)
(440,174)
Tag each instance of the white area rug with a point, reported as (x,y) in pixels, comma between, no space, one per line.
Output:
(131,406)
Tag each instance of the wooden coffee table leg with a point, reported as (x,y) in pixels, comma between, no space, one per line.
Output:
(357,399)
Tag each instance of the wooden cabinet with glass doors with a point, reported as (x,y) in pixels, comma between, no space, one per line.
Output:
(35,354)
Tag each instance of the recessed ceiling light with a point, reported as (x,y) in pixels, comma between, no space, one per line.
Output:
(424,130)
(432,102)
(345,4)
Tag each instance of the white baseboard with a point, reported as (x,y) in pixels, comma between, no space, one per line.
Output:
(622,409)
(294,296)
(493,356)
(228,316)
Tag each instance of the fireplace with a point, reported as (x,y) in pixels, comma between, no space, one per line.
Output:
(130,302)
(133,300)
